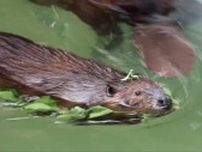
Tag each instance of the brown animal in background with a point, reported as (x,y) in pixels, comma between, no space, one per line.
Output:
(157,36)
(165,49)
(161,40)
(98,12)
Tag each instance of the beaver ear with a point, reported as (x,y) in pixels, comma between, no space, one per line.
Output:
(165,49)
(110,91)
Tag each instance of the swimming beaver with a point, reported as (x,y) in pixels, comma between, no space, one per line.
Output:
(34,69)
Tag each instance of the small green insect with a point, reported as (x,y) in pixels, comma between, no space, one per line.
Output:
(131,75)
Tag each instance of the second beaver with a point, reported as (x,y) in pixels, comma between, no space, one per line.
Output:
(158,33)
(74,81)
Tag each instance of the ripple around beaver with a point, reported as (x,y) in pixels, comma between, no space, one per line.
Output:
(74,81)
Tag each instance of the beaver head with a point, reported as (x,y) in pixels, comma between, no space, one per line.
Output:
(142,96)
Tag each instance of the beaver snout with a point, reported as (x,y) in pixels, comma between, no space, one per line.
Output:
(159,99)
(165,103)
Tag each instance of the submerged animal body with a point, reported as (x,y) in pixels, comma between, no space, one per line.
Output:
(157,33)
(136,11)
(96,12)
(74,81)
(157,20)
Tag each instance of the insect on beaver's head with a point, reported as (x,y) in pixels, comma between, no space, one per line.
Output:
(142,96)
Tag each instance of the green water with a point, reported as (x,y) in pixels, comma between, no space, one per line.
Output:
(179,131)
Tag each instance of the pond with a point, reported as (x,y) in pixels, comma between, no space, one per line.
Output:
(178,131)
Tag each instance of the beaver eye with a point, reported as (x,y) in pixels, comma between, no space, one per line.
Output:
(110,91)
(138,93)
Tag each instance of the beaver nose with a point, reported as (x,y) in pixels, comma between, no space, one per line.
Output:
(165,103)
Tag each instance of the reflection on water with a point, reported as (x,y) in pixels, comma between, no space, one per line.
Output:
(178,131)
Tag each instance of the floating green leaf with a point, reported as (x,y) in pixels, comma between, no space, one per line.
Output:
(98,111)
(9,95)
(78,113)
(74,114)
(44,104)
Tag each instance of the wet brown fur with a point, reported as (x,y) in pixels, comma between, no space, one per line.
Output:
(34,69)
(96,12)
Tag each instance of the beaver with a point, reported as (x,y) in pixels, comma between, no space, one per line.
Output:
(169,53)
(136,11)
(131,11)
(158,34)
(171,57)
(35,69)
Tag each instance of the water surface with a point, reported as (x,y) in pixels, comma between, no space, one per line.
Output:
(179,131)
